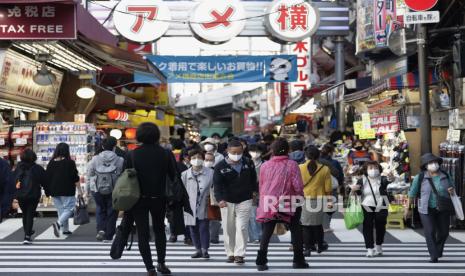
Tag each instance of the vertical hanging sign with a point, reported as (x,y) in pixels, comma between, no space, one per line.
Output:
(385,16)
(302,51)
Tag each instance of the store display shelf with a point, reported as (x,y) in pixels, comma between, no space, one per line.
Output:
(56,143)
(62,132)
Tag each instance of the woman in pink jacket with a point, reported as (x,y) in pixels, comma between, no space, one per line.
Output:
(280,186)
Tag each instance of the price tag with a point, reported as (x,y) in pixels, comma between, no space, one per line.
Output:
(2,141)
(366,121)
(21,141)
(453,135)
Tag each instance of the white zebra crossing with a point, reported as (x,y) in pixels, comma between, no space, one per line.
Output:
(93,257)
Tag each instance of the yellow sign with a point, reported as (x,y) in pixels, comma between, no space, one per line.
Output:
(366,121)
(358,127)
(367,134)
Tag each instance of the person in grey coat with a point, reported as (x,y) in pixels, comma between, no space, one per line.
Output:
(198,180)
(428,186)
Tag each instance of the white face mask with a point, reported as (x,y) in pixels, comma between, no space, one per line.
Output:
(235,157)
(209,147)
(373,173)
(255,155)
(209,164)
(196,162)
(433,167)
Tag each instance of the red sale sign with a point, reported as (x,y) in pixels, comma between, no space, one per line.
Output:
(421,5)
(385,123)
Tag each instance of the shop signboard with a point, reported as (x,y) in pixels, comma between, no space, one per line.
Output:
(385,15)
(283,88)
(251,122)
(161,95)
(37,21)
(16,82)
(142,20)
(226,69)
(365,26)
(334,94)
(388,68)
(385,123)
(302,50)
(291,20)
(217,21)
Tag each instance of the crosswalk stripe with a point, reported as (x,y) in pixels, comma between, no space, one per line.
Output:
(406,235)
(48,234)
(460,236)
(10,226)
(344,235)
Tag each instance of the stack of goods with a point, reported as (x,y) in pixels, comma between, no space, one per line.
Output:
(21,138)
(5,143)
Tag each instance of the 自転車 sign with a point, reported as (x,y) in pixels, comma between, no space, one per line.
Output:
(422,17)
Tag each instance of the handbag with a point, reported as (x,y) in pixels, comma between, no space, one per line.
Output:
(443,204)
(81,216)
(213,212)
(457,206)
(280,229)
(120,241)
(353,215)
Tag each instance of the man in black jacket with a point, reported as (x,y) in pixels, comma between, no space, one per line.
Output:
(235,181)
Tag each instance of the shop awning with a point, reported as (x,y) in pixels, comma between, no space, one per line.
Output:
(409,80)
(208,131)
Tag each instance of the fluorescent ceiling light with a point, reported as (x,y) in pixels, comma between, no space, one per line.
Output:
(7,105)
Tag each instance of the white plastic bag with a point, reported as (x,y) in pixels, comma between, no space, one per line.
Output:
(457,206)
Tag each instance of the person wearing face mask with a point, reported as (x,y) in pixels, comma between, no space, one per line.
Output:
(433,187)
(255,229)
(210,146)
(198,181)
(375,202)
(235,181)
(359,155)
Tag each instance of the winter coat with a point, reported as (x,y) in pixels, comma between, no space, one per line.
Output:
(7,188)
(297,156)
(279,176)
(198,187)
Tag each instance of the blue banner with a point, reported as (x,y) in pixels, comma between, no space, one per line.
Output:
(226,69)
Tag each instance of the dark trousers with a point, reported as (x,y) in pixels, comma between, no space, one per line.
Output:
(200,234)
(374,220)
(105,214)
(156,207)
(296,234)
(313,234)
(28,207)
(436,229)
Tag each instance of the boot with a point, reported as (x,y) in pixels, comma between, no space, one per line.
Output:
(299,260)
(163,269)
(261,261)
(151,272)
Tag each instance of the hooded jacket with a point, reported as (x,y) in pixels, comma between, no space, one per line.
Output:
(297,156)
(105,157)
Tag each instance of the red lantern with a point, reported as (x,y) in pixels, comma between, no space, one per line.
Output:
(130,133)
(112,114)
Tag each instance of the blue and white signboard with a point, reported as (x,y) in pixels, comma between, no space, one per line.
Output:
(226,69)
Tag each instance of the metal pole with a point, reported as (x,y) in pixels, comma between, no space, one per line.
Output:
(340,76)
(425,121)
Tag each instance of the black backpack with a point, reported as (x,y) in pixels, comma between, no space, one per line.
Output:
(25,188)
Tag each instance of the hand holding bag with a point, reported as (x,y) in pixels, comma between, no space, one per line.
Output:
(81,216)
(353,215)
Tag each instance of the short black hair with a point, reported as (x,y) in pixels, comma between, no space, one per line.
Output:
(216,134)
(370,163)
(196,151)
(148,133)
(297,145)
(109,143)
(312,153)
(327,150)
(28,156)
(255,147)
(234,143)
(61,150)
(268,138)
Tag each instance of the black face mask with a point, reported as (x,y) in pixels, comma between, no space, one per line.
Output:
(359,148)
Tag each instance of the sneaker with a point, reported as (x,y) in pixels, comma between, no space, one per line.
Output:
(197,255)
(230,259)
(100,235)
(370,253)
(67,233)
(163,269)
(56,229)
(27,240)
(239,260)
(378,250)
(434,260)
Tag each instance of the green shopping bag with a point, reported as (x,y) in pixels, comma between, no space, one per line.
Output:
(353,214)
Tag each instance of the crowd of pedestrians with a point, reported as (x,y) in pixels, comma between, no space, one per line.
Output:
(227,186)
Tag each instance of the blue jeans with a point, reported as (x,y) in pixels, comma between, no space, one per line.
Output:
(255,228)
(200,234)
(65,209)
(105,214)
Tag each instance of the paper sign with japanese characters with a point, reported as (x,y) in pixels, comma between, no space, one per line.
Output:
(292,20)
(37,21)
(226,69)
(302,50)
(385,15)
